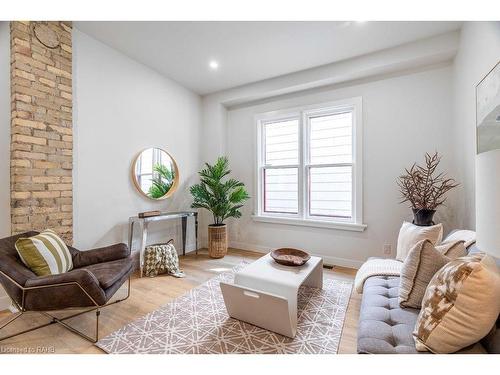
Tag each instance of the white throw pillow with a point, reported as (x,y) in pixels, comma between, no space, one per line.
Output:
(411,234)
(468,236)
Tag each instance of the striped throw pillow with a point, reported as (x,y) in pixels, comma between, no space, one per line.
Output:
(45,254)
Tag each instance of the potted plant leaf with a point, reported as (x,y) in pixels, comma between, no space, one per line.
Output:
(425,189)
(162,181)
(223,197)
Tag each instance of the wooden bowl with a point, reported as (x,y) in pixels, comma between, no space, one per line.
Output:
(290,257)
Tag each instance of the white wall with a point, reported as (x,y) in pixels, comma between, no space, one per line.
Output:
(479,51)
(120,108)
(403,117)
(4,140)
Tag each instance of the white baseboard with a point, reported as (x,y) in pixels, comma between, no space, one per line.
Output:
(327,260)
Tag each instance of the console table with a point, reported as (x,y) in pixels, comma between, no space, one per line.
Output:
(143,222)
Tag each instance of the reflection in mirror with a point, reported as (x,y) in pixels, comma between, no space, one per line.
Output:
(155,173)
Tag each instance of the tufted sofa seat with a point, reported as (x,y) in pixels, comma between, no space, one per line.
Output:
(384,327)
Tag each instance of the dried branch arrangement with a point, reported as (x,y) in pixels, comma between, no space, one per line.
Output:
(422,187)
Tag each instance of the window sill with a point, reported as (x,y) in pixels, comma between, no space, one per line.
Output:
(311,223)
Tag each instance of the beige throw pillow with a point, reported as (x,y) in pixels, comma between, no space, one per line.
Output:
(468,236)
(460,306)
(422,262)
(452,249)
(410,234)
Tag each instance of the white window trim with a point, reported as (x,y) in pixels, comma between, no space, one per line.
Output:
(303,218)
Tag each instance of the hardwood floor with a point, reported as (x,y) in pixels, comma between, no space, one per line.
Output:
(147,294)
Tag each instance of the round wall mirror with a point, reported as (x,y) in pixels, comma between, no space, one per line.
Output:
(155,173)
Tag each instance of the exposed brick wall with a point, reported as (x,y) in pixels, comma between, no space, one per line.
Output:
(42,135)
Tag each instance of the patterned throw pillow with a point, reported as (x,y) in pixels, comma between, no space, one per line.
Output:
(460,306)
(410,234)
(45,254)
(422,262)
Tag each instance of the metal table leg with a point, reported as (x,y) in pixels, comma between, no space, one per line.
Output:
(196,231)
(184,225)
(130,233)
(144,239)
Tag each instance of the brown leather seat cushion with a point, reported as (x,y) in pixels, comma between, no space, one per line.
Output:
(109,273)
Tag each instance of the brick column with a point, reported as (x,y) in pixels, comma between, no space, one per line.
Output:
(41,127)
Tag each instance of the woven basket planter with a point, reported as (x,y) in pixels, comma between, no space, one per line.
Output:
(217,241)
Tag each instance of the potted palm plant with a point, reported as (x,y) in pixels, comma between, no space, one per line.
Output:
(425,189)
(223,197)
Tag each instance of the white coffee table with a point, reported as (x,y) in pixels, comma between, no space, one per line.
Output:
(264,293)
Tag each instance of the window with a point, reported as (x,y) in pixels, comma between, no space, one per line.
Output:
(309,166)
(281,169)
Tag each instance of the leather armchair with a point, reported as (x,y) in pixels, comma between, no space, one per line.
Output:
(96,276)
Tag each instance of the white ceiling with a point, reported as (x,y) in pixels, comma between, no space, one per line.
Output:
(250,51)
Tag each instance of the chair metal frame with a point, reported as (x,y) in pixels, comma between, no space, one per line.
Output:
(61,321)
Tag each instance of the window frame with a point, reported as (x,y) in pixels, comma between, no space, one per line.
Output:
(303,115)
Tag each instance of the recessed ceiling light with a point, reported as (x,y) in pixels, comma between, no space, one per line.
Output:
(214,65)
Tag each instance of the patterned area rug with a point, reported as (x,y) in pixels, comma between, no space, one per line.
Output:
(197,323)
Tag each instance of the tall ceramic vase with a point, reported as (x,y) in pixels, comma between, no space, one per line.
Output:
(217,240)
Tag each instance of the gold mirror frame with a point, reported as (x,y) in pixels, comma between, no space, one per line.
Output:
(174,186)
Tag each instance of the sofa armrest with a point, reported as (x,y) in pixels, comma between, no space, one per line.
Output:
(72,287)
(100,255)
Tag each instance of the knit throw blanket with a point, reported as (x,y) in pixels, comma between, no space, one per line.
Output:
(376,267)
(162,258)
